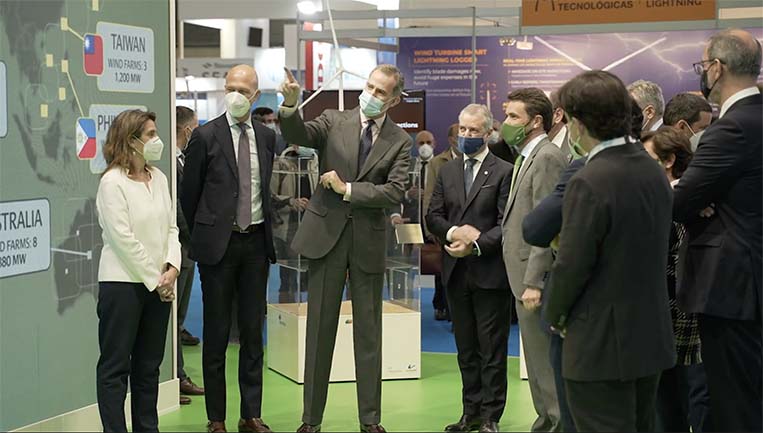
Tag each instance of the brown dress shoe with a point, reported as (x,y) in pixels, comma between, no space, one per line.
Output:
(307,428)
(216,427)
(254,425)
(187,387)
(372,428)
(187,339)
(184,400)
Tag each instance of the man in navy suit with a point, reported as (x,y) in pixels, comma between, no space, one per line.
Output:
(722,268)
(465,214)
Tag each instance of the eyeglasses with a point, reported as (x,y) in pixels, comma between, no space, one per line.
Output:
(698,66)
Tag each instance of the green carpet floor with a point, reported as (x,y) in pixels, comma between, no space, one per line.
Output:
(425,405)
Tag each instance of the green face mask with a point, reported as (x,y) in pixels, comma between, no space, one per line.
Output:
(576,150)
(513,135)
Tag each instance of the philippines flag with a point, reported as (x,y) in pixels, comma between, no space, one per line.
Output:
(86,145)
(93,54)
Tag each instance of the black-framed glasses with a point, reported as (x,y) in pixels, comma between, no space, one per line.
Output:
(698,66)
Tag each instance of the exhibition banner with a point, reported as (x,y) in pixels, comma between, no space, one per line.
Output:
(566,12)
(442,66)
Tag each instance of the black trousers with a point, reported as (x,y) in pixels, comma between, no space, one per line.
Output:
(243,271)
(184,286)
(731,352)
(481,320)
(682,399)
(440,299)
(613,405)
(327,277)
(555,355)
(132,331)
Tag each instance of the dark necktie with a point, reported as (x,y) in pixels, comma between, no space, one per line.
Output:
(365,143)
(469,174)
(244,210)
(423,181)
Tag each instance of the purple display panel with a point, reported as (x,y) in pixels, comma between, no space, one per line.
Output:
(442,66)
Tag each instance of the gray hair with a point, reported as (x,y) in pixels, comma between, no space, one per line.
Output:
(648,93)
(479,110)
(740,58)
(392,71)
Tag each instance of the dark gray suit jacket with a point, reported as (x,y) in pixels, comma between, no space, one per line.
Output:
(608,286)
(482,208)
(722,269)
(376,186)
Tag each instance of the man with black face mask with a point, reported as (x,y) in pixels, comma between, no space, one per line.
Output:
(722,269)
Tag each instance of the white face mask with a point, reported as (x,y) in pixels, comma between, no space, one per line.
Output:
(152,149)
(426,151)
(694,140)
(272,126)
(495,137)
(237,105)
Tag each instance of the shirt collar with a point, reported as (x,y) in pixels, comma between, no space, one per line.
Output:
(656,125)
(619,141)
(379,121)
(480,157)
(233,122)
(529,147)
(750,91)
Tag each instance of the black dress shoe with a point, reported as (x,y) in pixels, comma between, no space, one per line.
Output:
(465,424)
(489,427)
(307,428)
(187,387)
(186,339)
(372,428)
(184,400)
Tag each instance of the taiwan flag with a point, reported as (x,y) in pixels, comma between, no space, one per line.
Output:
(93,54)
(86,145)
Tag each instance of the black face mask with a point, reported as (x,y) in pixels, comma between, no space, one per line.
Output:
(703,85)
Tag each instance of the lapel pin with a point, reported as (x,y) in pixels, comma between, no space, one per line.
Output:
(485,173)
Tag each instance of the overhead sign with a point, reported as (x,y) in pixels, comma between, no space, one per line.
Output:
(207,67)
(564,12)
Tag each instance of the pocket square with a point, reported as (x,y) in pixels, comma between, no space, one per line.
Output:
(487,186)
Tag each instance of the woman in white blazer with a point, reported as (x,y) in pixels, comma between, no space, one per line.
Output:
(139,264)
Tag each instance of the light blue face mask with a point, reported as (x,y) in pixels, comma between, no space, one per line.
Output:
(371,106)
(305,152)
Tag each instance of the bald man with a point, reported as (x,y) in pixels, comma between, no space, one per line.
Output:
(226,201)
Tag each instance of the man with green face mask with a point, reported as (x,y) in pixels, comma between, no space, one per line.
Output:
(536,171)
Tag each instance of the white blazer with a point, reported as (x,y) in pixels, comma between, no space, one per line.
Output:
(139,230)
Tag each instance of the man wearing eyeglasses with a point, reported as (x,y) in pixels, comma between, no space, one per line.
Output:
(722,269)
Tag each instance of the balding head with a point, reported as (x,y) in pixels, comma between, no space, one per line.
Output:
(424,137)
(243,79)
(738,50)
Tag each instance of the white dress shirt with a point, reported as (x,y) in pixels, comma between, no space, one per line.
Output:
(736,97)
(139,230)
(235,130)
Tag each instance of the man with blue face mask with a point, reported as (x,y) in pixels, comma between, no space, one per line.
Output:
(536,170)
(465,215)
(364,162)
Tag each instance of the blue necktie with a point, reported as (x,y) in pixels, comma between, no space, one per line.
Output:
(365,143)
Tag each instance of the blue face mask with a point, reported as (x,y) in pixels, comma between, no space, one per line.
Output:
(305,152)
(470,145)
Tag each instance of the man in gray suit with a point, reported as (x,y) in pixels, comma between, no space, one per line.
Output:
(364,160)
(536,171)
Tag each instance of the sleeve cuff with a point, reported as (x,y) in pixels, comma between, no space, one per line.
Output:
(449,235)
(348,193)
(287,111)
(477,247)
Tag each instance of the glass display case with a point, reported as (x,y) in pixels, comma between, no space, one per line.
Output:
(294,180)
